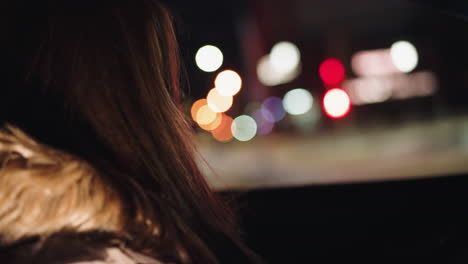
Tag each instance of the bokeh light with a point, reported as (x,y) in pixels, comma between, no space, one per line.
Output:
(268,76)
(196,106)
(297,101)
(214,124)
(336,103)
(218,102)
(272,109)
(370,90)
(205,115)
(264,125)
(228,83)
(404,56)
(244,128)
(373,63)
(223,132)
(285,57)
(265,72)
(209,58)
(332,71)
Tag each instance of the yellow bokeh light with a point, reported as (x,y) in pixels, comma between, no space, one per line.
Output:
(218,102)
(228,83)
(205,115)
(213,125)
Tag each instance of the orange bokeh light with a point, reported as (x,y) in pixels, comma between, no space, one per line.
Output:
(196,106)
(223,132)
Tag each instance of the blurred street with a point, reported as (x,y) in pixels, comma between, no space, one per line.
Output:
(413,150)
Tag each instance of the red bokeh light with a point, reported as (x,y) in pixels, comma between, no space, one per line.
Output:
(332,71)
(336,103)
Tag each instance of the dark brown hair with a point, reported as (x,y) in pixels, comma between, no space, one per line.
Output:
(100,79)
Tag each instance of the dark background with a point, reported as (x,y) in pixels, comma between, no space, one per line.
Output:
(416,221)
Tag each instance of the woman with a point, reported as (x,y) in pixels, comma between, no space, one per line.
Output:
(97,161)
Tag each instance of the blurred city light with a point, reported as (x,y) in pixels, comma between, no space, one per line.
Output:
(223,132)
(265,72)
(298,101)
(272,109)
(244,128)
(332,71)
(373,63)
(336,103)
(264,125)
(209,58)
(285,57)
(205,115)
(368,90)
(228,83)
(269,76)
(214,124)
(404,56)
(218,102)
(381,88)
(196,106)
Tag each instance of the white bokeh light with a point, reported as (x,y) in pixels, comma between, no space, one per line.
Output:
(404,56)
(265,72)
(285,57)
(244,128)
(336,103)
(209,58)
(269,76)
(228,83)
(298,101)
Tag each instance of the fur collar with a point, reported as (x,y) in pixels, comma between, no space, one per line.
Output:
(55,208)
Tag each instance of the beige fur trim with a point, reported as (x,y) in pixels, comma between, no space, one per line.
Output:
(44,190)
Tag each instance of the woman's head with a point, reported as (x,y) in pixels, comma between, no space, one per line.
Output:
(100,79)
(106,63)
